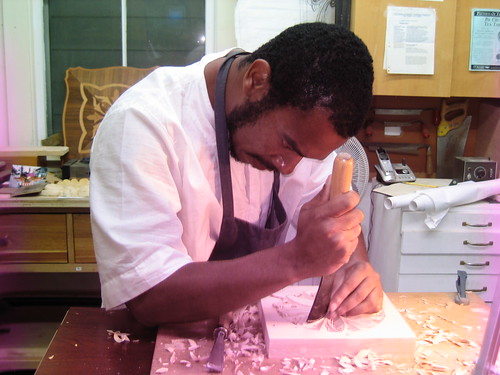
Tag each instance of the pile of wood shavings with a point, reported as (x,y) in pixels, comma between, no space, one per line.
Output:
(364,360)
(245,339)
(177,346)
(435,345)
(244,344)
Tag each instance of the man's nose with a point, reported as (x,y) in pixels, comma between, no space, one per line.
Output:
(286,164)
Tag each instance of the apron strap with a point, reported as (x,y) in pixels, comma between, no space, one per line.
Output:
(221,133)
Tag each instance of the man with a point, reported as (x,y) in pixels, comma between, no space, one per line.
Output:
(182,231)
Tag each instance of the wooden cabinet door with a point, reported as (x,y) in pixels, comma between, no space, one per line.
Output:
(33,238)
(82,233)
(464,82)
(369,20)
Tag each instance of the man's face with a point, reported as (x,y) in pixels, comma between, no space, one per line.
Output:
(278,139)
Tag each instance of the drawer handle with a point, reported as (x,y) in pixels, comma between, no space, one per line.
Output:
(466,224)
(478,244)
(464,263)
(4,240)
(483,289)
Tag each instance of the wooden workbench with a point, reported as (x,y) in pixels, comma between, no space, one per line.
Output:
(448,337)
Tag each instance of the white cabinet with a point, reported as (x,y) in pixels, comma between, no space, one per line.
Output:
(412,258)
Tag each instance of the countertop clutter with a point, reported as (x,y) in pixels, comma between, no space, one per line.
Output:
(93,341)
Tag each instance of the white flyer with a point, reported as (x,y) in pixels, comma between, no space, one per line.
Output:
(410,40)
(485,40)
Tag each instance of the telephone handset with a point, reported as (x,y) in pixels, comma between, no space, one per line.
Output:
(390,173)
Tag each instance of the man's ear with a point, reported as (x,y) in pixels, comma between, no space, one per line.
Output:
(256,80)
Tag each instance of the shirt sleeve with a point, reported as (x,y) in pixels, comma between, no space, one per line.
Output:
(134,204)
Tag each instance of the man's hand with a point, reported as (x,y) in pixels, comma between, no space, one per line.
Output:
(329,240)
(357,290)
(327,233)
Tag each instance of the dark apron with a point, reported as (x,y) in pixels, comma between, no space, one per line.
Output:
(238,237)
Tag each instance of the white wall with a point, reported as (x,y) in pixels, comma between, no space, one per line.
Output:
(22,74)
(219,25)
(4,135)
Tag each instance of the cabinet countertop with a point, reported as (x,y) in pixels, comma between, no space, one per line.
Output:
(38,201)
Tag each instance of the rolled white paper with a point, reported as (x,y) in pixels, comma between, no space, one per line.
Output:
(455,195)
(399,201)
(436,202)
(422,202)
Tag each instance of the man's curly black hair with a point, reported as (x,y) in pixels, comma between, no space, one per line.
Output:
(319,64)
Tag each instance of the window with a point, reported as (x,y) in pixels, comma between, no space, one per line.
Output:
(97,33)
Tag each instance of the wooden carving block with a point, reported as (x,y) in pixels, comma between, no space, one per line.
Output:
(391,336)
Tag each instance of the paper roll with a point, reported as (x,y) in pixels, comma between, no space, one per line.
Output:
(399,201)
(437,201)
(422,203)
(455,195)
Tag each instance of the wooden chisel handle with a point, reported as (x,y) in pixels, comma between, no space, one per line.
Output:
(342,174)
(341,183)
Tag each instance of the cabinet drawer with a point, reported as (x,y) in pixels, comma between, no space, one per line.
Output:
(483,285)
(33,238)
(433,242)
(439,264)
(82,233)
(476,217)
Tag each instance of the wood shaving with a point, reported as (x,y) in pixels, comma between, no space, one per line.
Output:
(265,368)
(185,362)
(175,345)
(173,357)
(296,365)
(193,345)
(118,336)
(365,359)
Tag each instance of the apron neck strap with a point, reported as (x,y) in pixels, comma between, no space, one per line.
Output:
(221,133)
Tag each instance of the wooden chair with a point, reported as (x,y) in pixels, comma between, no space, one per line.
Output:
(89,94)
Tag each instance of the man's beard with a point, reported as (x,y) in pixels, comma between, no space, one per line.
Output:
(245,115)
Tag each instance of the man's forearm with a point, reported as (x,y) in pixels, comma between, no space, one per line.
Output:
(327,235)
(202,290)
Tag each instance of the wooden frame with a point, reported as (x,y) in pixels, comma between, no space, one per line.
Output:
(89,94)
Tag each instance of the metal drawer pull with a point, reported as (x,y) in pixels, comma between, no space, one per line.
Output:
(478,244)
(483,289)
(4,240)
(464,263)
(466,224)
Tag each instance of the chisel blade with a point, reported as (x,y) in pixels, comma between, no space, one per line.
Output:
(320,305)
(216,359)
